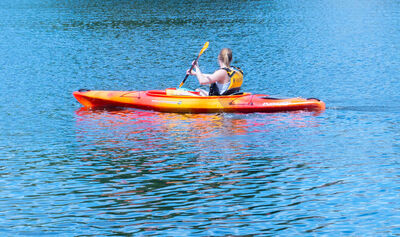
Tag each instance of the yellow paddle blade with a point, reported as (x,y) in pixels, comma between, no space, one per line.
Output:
(204,48)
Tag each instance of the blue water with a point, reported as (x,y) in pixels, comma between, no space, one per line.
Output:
(66,171)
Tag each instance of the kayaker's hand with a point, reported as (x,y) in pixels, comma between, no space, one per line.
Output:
(192,73)
(195,66)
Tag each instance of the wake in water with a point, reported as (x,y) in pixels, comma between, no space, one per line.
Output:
(368,108)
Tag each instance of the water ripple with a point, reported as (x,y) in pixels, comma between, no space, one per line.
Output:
(67,171)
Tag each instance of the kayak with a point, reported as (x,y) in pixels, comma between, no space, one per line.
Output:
(170,100)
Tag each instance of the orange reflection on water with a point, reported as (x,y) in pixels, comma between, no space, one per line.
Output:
(149,128)
(146,121)
(154,137)
(137,144)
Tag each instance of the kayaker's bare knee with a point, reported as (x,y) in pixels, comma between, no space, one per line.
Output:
(202,92)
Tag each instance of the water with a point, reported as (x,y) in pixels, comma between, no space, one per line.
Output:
(66,171)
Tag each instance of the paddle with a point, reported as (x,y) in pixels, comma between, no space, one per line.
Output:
(197,59)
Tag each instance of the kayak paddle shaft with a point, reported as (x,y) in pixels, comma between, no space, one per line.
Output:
(194,63)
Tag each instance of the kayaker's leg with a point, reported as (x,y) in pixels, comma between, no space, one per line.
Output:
(202,92)
(182,92)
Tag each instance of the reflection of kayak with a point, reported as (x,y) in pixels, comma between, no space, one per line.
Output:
(168,101)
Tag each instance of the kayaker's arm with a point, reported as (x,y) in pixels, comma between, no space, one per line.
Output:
(205,79)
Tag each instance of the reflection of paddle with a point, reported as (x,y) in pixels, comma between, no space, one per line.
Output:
(194,63)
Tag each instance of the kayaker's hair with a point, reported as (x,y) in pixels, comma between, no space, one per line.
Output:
(225,56)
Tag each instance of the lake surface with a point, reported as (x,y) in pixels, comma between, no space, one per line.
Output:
(67,171)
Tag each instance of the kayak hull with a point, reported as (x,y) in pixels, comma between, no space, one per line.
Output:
(161,100)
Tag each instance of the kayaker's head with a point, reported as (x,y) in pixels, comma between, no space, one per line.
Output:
(225,57)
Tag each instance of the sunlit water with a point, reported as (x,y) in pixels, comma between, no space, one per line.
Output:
(67,171)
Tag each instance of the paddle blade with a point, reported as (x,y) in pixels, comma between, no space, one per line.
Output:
(180,85)
(204,48)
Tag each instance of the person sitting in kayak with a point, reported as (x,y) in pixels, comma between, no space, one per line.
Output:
(227,80)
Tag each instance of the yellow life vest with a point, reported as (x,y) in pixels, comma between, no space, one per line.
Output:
(236,76)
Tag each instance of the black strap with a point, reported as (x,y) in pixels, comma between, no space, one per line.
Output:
(213,90)
(231,91)
(239,69)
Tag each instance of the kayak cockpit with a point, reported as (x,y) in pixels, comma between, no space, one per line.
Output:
(173,92)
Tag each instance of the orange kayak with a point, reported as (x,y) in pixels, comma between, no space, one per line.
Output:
(169,101)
